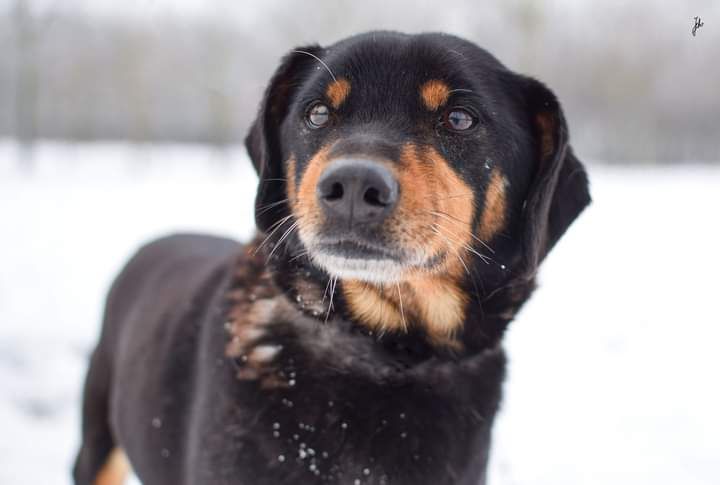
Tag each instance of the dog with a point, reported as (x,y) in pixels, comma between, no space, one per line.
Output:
(409,188)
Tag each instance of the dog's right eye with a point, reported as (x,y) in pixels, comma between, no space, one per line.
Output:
(318,115)
(459,119)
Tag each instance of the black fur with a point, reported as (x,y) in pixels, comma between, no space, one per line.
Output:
(337,404)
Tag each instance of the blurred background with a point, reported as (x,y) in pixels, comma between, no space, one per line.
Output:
(122,121)
(636,85)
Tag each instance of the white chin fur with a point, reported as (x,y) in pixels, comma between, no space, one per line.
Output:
(378,271)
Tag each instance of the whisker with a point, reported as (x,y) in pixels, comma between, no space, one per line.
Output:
(280,221)
(381,329)
(332,294)
(326,290)
(277,226)
(448,216)
(299,255)
(402,311)
(460,90)
(267,207)
(320,61)
(462,261)
(484,258)
(455,251)
(283,238)
(456,196)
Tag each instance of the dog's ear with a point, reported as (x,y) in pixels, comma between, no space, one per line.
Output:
(558,191)
(263,142)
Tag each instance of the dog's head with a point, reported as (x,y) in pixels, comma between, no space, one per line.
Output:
(415,162)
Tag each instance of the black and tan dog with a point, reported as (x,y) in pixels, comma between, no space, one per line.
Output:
(410,185)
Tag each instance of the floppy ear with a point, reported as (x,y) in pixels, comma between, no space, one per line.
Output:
(559,189)
(263,142)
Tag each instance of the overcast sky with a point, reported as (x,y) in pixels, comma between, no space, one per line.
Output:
(249,7)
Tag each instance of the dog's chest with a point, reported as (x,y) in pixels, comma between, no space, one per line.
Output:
(318,404)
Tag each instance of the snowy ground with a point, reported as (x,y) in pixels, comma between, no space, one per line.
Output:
(614,363)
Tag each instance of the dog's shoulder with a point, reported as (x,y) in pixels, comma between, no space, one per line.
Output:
(168,275)
(187,245)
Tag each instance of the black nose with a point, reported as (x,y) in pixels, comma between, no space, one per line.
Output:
(357,190)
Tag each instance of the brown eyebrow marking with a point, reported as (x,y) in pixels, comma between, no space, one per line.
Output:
(337,92)
(304,204)
(493,216)
(434,94)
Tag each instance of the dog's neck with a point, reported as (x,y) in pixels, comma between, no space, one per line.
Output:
(261,274)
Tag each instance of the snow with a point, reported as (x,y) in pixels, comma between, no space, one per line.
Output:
(612,363)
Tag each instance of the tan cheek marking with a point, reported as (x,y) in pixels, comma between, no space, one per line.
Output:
(455,203)
(440,301)
(290,181)
(492,220)
(418,182)
(337,92)
(434,94)
(451,213)
(115,470)
(306,208)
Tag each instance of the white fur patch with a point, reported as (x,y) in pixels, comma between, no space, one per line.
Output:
(371,270)
(264,353)
(249,334)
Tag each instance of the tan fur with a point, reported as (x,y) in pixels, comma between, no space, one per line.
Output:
(337,92)
(369,307)
(433,218)
(115,470)
(290,181)
(434,94)
(436,206)
(434,215)
(305,206)
(436,303)
(440,303)
(492,220)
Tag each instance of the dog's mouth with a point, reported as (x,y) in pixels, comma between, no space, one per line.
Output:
(350,258)
(353,249)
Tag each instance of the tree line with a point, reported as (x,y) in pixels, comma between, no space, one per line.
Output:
(636,85)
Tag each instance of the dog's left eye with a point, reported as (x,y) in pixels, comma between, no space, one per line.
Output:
(459,119)
(318,115)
